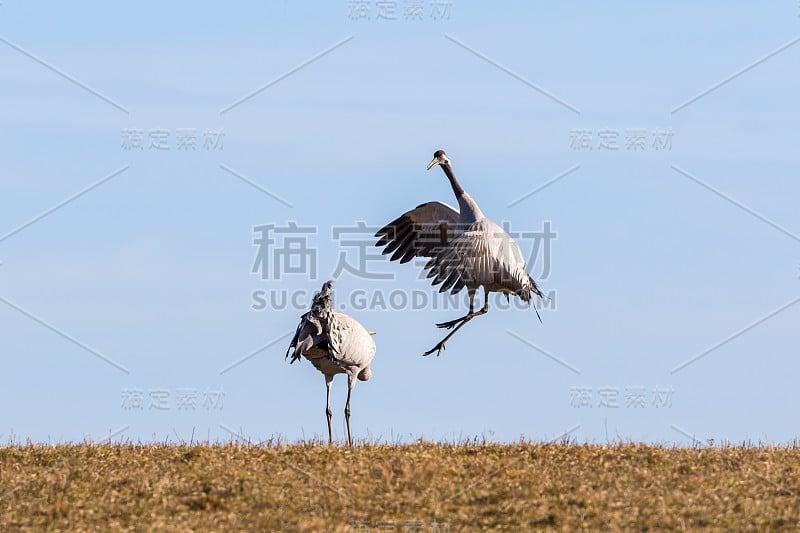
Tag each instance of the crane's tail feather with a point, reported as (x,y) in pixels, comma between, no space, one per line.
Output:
(534,289)
(537,314)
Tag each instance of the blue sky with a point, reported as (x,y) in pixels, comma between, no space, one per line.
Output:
(660,254)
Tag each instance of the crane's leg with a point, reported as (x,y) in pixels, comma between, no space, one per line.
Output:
(440,346)
(351,383)
(328,412)
(449,324)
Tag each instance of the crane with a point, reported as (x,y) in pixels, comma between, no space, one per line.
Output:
(463,247)
(334,343)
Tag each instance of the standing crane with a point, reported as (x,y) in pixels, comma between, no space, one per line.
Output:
(335,343)
(465,249)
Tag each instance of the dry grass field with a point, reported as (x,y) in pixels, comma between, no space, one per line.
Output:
(417,487)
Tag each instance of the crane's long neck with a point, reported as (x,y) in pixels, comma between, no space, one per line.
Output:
(468,209)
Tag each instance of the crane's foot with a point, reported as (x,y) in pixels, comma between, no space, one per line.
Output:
(456,325)
(450,324)
(438,349)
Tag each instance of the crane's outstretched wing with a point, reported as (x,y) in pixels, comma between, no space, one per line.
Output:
(483,254)
(420,232)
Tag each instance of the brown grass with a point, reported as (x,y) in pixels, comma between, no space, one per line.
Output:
(311,487)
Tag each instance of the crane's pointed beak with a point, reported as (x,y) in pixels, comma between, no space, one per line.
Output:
(432,163)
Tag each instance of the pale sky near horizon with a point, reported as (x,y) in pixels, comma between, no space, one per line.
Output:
(143,143)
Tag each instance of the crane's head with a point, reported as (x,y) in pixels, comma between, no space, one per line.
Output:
(439,158)
(323,300)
